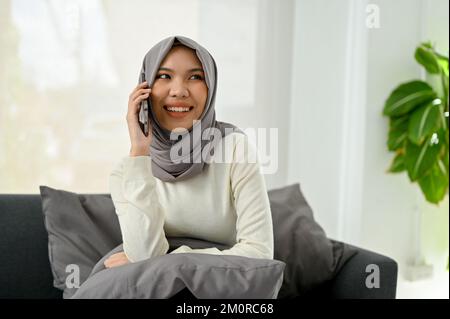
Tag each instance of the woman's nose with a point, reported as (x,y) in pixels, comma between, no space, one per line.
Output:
(178,89)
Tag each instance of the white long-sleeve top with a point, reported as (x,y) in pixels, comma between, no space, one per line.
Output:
(227,203)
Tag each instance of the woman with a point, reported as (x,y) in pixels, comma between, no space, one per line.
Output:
(157,192)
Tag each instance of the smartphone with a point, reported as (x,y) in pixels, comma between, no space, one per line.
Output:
(143,111)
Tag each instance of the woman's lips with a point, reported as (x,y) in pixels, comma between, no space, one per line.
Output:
(177,114)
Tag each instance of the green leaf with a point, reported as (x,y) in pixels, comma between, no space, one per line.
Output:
(407,97)
(445,160)
(434,185)
(443,63)
(420,159)
(424,120)
(428,45)
(443,119)
(398,132)
(398,164)
(397,122)
(427,58)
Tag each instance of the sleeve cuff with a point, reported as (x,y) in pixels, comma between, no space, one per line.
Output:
(187,249)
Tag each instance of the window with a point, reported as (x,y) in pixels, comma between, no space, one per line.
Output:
(71,64)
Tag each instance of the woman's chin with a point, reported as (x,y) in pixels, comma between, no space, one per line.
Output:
(178,127)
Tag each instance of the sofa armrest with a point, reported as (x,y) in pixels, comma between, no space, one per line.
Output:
(350,281)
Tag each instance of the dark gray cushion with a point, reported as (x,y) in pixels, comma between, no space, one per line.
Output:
(81,230)
(311,258)
(206,276)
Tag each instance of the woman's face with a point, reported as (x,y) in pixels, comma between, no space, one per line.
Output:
(179,90)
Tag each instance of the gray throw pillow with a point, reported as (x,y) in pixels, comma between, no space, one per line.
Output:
(81,230)
(311,258)
(205,276)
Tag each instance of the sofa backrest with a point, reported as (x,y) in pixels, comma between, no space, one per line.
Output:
(24,261)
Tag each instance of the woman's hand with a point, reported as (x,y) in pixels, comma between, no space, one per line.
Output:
(140,144)
(116,260)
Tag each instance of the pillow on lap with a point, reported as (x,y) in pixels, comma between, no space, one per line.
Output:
(206,277)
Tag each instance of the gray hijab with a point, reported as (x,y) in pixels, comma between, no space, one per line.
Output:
(192,162)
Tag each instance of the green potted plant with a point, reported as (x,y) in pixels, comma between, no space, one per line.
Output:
(419,127)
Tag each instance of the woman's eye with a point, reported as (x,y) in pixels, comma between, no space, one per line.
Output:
(198,77)
(163,76)
(167,76)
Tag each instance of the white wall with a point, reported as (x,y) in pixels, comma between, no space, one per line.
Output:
(318,95)
(342,74)
(273,82)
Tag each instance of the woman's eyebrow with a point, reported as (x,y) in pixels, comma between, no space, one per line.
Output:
(170,70)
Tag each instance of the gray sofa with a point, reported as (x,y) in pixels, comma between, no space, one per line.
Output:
(25,270)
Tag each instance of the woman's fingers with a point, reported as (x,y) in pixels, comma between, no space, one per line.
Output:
(117,256)
(138,87)
(141,97)
(139,90)
(139,141)
(115,263)
(113,257)
(134,104)
(116,260)
(140,93)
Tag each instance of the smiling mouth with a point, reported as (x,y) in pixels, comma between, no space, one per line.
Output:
(177,112)
(176,109)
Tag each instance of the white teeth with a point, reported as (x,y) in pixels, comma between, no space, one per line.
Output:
(178,109)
